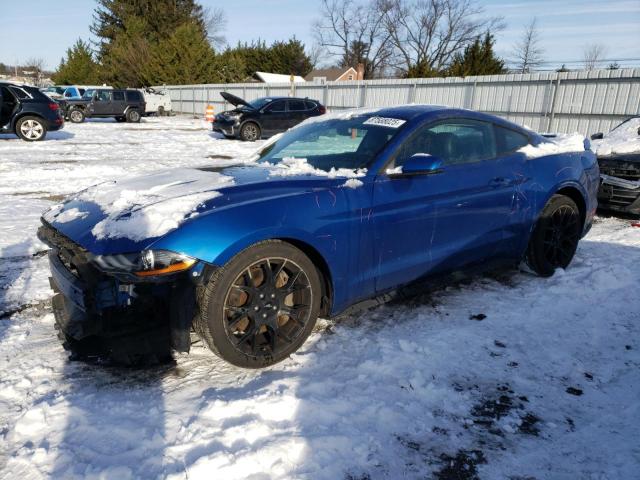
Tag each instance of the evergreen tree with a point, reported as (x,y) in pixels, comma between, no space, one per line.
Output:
(78,67)
(478,58)
(423,70)
(186,57)
(229,67)
(289,58)
(161,17)
(138,41)
(255,56)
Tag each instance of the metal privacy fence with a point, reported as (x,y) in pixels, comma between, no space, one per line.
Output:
(585,101)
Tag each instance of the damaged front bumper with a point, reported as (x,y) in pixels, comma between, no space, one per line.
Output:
(117,317)
(619,194)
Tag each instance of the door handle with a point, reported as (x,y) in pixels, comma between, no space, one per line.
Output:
(500,182)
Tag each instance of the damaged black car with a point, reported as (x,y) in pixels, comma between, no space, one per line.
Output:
(619,159)
(263,117)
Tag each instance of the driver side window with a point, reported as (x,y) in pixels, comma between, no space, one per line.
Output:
(277,107)
(455,142)
(103,96)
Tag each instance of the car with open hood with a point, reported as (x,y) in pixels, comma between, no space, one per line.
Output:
(263,117)
(337,211)
(619,157)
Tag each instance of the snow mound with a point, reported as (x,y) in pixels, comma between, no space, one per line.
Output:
(624,139)
(152,205)
(353,183)
(561,143)
(290,166)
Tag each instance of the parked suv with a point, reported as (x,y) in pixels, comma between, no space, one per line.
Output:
(264,116)
(124,105)
(27,112)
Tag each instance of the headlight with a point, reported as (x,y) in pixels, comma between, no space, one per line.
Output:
(145,264)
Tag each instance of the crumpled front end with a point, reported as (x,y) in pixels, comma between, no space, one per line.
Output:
(104,315)
(620,185)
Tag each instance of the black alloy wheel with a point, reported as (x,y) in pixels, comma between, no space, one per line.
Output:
(267,307)
(261,306)
(555,238)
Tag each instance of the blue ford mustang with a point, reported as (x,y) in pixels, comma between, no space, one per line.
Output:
(336,211)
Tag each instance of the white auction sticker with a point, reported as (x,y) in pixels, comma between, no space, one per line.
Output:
(385,122)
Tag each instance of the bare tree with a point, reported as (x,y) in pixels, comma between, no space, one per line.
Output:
(593,54)
(35,67)
(426,34)
(317,53)
(216,23)
(353,31)
(527,53)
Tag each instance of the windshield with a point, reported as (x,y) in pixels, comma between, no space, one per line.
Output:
(88,94)
(335,143)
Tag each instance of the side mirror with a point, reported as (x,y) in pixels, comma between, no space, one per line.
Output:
(418,164)
(597,136)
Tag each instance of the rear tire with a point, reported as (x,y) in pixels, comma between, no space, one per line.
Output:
(261,306)
(160,111)
(76,115)
(555,236)
(31,129)
(250,132)
(133,116)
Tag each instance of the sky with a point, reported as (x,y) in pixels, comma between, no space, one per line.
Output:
(46,28)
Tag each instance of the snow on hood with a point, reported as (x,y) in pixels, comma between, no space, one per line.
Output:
(560,143)
(623,139)
(147,206)
(291,166)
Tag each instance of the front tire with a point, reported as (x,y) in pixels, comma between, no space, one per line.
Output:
(250,132)
(76,115)
(133,116)
(555,237)
(31,129)
(261,306)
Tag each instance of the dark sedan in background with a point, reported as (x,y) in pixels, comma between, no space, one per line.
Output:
(263,117)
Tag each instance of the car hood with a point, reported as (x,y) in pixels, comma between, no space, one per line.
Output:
(623,140)
(129,215)
(235,101)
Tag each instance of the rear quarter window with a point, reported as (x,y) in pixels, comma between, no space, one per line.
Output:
(297,106)
(310,105)
(134,96)
(509,140)
(20,93)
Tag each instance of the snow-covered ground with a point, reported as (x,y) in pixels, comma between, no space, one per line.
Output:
(506,376)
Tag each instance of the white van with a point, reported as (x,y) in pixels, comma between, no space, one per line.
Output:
(158,102)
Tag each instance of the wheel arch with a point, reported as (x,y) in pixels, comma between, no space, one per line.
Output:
(574,193)
(18,116)
(251,120)
(323,268)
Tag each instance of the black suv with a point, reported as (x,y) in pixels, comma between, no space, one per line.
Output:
(123,105)
(264,117)
(27,112)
